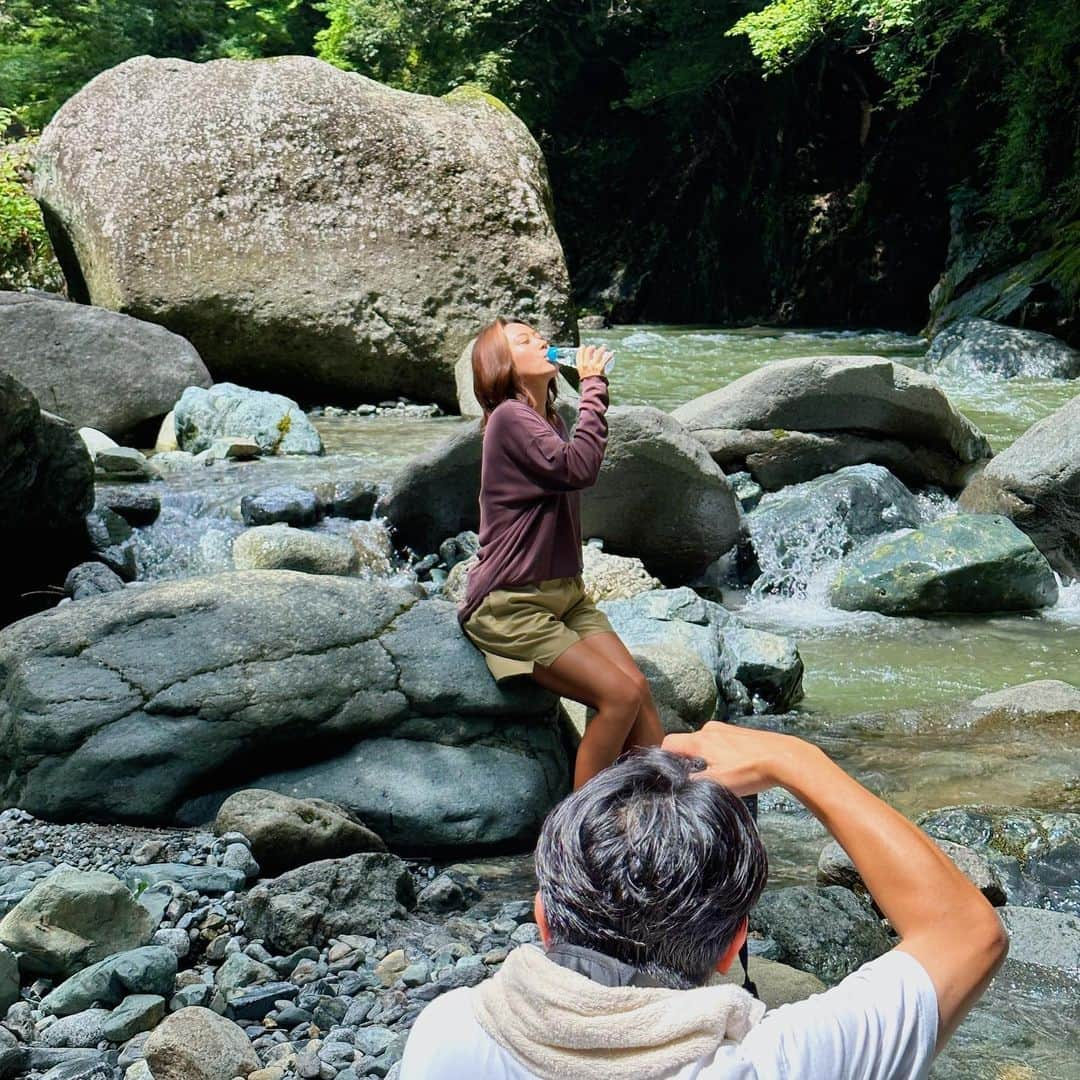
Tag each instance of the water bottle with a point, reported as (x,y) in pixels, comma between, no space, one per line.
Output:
(567,356)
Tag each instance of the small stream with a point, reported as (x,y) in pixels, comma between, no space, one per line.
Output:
(879,690)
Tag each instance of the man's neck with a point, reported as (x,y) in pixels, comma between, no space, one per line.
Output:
(602,969)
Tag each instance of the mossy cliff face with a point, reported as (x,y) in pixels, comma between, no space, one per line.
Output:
(309,230)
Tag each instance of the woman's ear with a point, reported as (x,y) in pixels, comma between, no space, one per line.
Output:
(541,920)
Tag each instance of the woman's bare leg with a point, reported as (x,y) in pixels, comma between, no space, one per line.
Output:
(647,729)
(585,675)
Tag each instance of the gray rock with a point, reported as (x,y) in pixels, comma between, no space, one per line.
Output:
(147,970)
(97,368)
(970,562)
(287,502)
(653,472)
(1049,939)
(679,619)
(286,832)
(828,931)
(17,879)
(135,505)
(172,938)
(46,488)
(441,895)
(281,547)
(777,984)
(226,410)
(683,687)
(1035,853)
(73,918)
(974,346)
(836,868)
(72,1064)
(660,498)
(779,457)
(310,905)
(238,857)
(1036,483)
(240,971)
(864,408)
(91,579)
(197,1044)
(1046,703)
(352,663)
(85,1029)
(123,463)
(807,525)
(507,774)
(9,979)
(254,1002)
(230,448)
(419,190)
(211,880)
(135,1014)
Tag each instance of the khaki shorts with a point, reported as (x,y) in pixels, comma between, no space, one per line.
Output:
(524,625)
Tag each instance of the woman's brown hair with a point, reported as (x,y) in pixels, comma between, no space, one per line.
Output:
(494,378)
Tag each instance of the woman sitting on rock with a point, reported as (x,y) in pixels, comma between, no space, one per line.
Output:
(525,606)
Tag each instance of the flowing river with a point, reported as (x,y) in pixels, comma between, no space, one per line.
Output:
(879,690)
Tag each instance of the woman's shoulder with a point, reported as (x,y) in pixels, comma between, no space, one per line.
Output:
(512,413)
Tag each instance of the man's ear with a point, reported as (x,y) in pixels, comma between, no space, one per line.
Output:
(541,920)
(729,954)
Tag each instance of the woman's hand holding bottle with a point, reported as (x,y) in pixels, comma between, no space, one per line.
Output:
(591,360)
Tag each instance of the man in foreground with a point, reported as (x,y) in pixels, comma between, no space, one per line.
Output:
(647,874)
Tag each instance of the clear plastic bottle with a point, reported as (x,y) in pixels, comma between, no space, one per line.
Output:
(566,355)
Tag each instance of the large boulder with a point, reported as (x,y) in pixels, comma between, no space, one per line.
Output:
(337,235)
(273,421)
(150,969)
(46,489)
(793,419)
(73,918)
(803,527)
(96,368)
(828,930)
(1046,939)
(281,547)
(197,1044)
(323,900)
(969,562)
(755,671)
(658,496)
(286,832)
(1036,482)
(1035,853)
(973,346)
(126,706)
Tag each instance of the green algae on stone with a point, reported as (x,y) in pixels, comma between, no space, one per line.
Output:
(966,563)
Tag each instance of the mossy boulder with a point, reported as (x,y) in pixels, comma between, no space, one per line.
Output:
(969,563)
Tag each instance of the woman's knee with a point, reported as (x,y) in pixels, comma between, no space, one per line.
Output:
(625,694)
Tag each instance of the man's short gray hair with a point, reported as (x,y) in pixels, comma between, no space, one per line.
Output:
(652,866)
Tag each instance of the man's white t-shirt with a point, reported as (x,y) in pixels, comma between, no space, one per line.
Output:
(880,1023)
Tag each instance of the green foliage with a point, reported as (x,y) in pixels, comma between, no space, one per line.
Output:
(427,48)
(1026,51)
(26,256)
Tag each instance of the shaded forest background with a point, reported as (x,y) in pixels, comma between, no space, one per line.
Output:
(813,162)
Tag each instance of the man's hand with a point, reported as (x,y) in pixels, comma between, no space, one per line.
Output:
(742,759)
(942,919)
